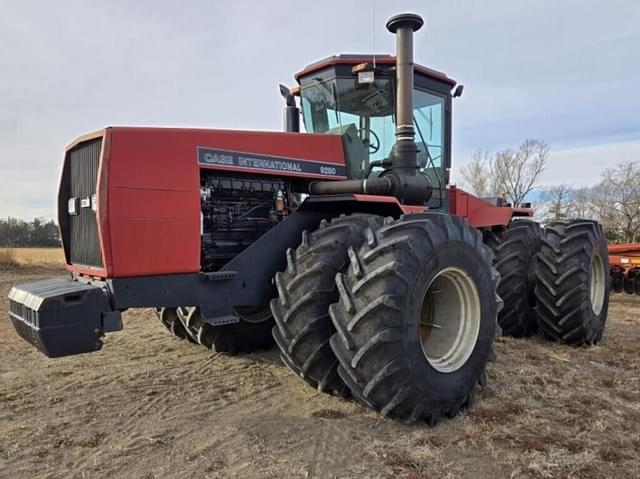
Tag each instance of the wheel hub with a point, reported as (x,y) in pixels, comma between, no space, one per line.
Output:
(449,320)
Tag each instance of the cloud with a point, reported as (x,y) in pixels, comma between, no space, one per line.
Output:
(583,166)
(26,195)
(565,72)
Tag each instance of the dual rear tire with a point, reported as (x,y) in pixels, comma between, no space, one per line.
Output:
(416,318)
(306,289)
(412,308)
(516,248)
(572,282)
(554,281)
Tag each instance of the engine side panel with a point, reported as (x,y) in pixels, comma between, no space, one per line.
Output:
(148,194)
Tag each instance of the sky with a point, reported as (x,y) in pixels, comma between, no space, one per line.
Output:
(566,72)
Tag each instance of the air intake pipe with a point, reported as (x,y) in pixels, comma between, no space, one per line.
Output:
(403,179)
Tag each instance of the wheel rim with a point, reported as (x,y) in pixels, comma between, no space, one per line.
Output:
(449,320)
(597,284)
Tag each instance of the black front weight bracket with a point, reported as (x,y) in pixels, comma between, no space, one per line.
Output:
(61,317)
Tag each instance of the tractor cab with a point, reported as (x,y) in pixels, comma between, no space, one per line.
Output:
(354,96)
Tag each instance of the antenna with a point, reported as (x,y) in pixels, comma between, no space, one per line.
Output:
(373,34)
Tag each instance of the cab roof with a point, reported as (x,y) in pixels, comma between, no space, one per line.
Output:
(356,59)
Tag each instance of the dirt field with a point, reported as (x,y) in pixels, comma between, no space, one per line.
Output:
(149,405)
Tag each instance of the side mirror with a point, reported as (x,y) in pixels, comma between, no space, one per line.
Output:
(291,111)
(457,92)
(286,94)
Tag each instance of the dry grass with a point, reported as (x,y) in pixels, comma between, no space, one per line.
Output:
(14,257)
(403,462)
(555,411)
(8,258)
(329,414)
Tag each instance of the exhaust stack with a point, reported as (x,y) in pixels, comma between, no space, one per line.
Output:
(405,149)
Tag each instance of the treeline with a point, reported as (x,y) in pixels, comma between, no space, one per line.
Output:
(16,233)
(614,201)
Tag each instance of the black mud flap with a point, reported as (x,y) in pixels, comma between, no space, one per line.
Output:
(62,317)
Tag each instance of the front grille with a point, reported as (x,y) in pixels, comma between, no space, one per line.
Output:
(21,311)
(82,169)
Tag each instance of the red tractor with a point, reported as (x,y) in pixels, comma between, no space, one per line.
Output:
(345,244)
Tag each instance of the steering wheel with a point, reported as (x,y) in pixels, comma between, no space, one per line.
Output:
(373,147)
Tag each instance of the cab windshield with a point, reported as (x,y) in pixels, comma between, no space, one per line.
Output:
(364,114)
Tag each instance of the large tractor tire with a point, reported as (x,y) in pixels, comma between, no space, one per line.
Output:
(252,332)
(305,291)
(617,280)
(572,282)
(416,319)
(515,250)
(169,318)
(629,281)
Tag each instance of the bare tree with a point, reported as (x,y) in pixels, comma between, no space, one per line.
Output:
(517,171)
(621,186)
(510,173)
(614,202)
(581,204)
(556,203)
(474,174)
(602,200)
